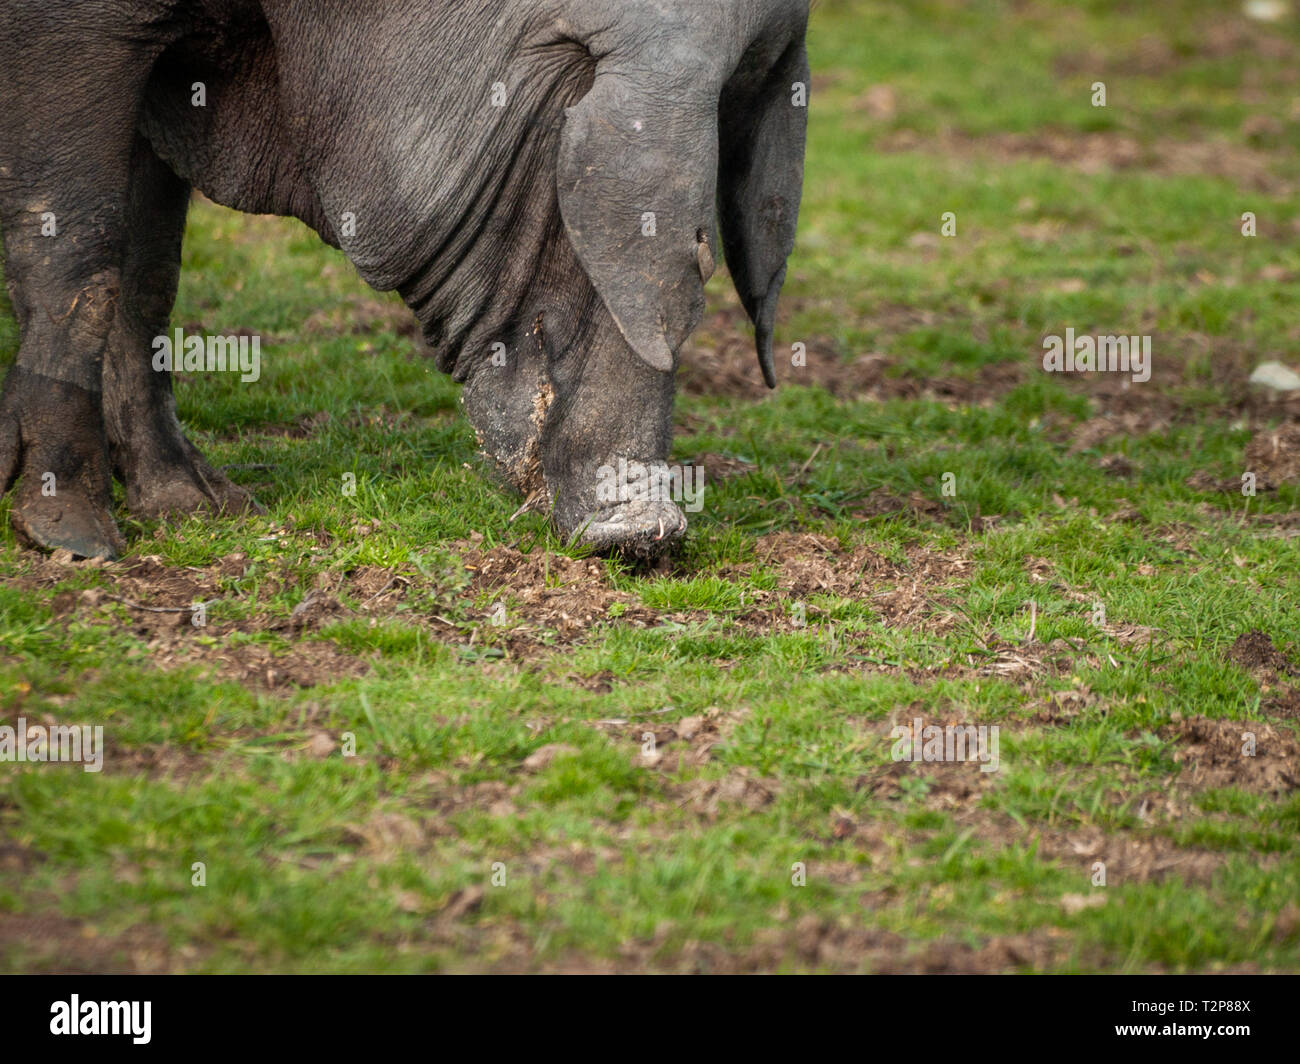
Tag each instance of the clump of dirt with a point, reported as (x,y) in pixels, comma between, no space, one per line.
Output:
(306,663)
(943,784)
(508,567)
(1061,707)
(376,589)
(810,564)
(505,603)
(1283,705)
(1029,659)
(1274,457)
(672,746)
(163,602)
(1116,465)
(1249,755)
(1124,410)
(553,593)
(151,580)
(445,793)
(1254,650)
(1096,431)
(675,744)
(709,798)
(385,835)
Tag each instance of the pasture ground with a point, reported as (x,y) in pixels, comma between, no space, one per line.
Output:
(829,589)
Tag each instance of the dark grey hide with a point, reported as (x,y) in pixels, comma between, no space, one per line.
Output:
(517,229)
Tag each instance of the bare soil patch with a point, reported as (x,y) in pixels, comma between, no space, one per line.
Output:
(1128,857)
(560,599)
(1283,704)
(1154,55)
(158,602)
(1273,455)
(506,602)
(49,943)
(1123,410)
(948,784)
(822,943)
(552,598)
(672,747)
(720,361)
(1213,753)
(1254,651)
(808,564)
(1107,152)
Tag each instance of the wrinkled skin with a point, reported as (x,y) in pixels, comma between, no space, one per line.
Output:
(514,232)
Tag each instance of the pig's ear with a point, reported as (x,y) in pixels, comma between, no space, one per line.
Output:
(636,181)
(763,121)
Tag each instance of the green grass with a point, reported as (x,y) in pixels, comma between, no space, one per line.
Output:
(392,859)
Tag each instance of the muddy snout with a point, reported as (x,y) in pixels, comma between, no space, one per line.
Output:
(624,506)
(641,529)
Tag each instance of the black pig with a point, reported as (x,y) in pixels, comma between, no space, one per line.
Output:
(541,181)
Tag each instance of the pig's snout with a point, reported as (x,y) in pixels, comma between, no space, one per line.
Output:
(639,527)
(626,507)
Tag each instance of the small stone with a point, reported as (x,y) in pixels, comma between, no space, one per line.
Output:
(321,744)
(1277,376)
(1266,10)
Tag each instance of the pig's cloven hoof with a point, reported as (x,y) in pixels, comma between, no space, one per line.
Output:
(637,529)
(68,521)
(165,474)
(52,442)
(193,488)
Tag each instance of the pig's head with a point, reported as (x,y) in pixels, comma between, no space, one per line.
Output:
(628,140)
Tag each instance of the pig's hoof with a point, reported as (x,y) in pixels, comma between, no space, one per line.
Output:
(52,442)
(173,479)
(638,529)
(158,491)
(68,521)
